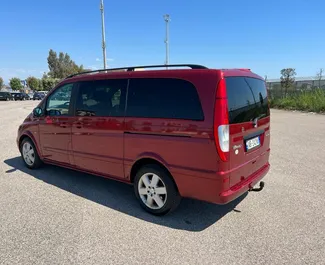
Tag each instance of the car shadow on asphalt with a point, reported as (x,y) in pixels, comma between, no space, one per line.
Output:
(191,215)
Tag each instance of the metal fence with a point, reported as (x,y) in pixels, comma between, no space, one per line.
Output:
(276,91)
(292,92)
(299,86)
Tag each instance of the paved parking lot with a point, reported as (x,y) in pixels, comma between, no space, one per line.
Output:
(57,216)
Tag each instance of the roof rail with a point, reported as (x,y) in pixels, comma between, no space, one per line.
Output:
(132,68)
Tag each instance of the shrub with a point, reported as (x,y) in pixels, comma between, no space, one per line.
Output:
(305,100)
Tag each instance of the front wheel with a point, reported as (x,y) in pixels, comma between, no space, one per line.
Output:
(155,190)
(29,154)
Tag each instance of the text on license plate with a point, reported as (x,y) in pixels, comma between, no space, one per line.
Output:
(250,144)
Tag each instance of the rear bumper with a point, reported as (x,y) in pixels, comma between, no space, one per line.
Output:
(243,186)
(212,190)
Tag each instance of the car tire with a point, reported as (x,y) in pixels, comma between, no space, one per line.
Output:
(7,99)
(155,190)
(29,154)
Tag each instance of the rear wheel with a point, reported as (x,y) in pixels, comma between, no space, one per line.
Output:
(155,190)
(29,154)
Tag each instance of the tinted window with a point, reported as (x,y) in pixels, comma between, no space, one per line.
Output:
(247,99)
(59,101)
(101,98)
(163,98)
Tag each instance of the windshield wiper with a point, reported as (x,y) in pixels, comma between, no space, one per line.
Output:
(254,121)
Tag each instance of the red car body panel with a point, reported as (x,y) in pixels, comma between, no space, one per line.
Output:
(97,145)
(56,130)
(111,146)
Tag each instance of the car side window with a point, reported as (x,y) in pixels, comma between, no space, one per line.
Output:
(59,101)
(101,98)
(163,98)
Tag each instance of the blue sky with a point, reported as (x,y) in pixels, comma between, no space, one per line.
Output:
(265,36)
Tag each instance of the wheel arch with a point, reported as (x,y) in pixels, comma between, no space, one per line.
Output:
(29,136)
(149,161)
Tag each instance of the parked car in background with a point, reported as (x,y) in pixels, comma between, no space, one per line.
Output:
(43,92)
(198,133)
(38,96)
(62,96)
(6,96)
(20,96)
(30,96)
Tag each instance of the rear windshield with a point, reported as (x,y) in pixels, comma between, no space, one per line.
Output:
(247,99)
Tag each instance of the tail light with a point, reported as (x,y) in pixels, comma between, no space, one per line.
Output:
(221,121)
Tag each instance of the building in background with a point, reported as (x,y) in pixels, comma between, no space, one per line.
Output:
(23,83)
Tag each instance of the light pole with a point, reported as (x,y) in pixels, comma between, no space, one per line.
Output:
(167,19)
(103,32)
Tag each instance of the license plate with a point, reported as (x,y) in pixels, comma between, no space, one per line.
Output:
(252,143)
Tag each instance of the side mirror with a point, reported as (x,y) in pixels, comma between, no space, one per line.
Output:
(38,112)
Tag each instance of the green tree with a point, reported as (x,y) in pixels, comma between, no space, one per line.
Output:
(287,79)
(1,82)
(15,83)
(53,64)
(48,83)
(40,85)
(61,66)
(33,82)
(45,75)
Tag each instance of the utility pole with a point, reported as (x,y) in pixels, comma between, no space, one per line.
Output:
(103,32)
(167,19)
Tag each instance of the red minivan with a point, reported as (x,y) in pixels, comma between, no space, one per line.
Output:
(198,133)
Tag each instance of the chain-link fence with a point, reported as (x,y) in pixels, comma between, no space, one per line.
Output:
(276,91)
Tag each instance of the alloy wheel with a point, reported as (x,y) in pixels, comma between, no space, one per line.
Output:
(28,154)
(152,191)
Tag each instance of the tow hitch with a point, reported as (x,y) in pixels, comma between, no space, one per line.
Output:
(257,189)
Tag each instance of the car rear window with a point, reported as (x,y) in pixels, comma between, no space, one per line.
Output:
(247,99)
(163,98)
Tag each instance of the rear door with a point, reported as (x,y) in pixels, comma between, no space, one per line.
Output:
(249,120)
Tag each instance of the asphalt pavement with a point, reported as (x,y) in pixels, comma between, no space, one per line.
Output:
(58,216)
